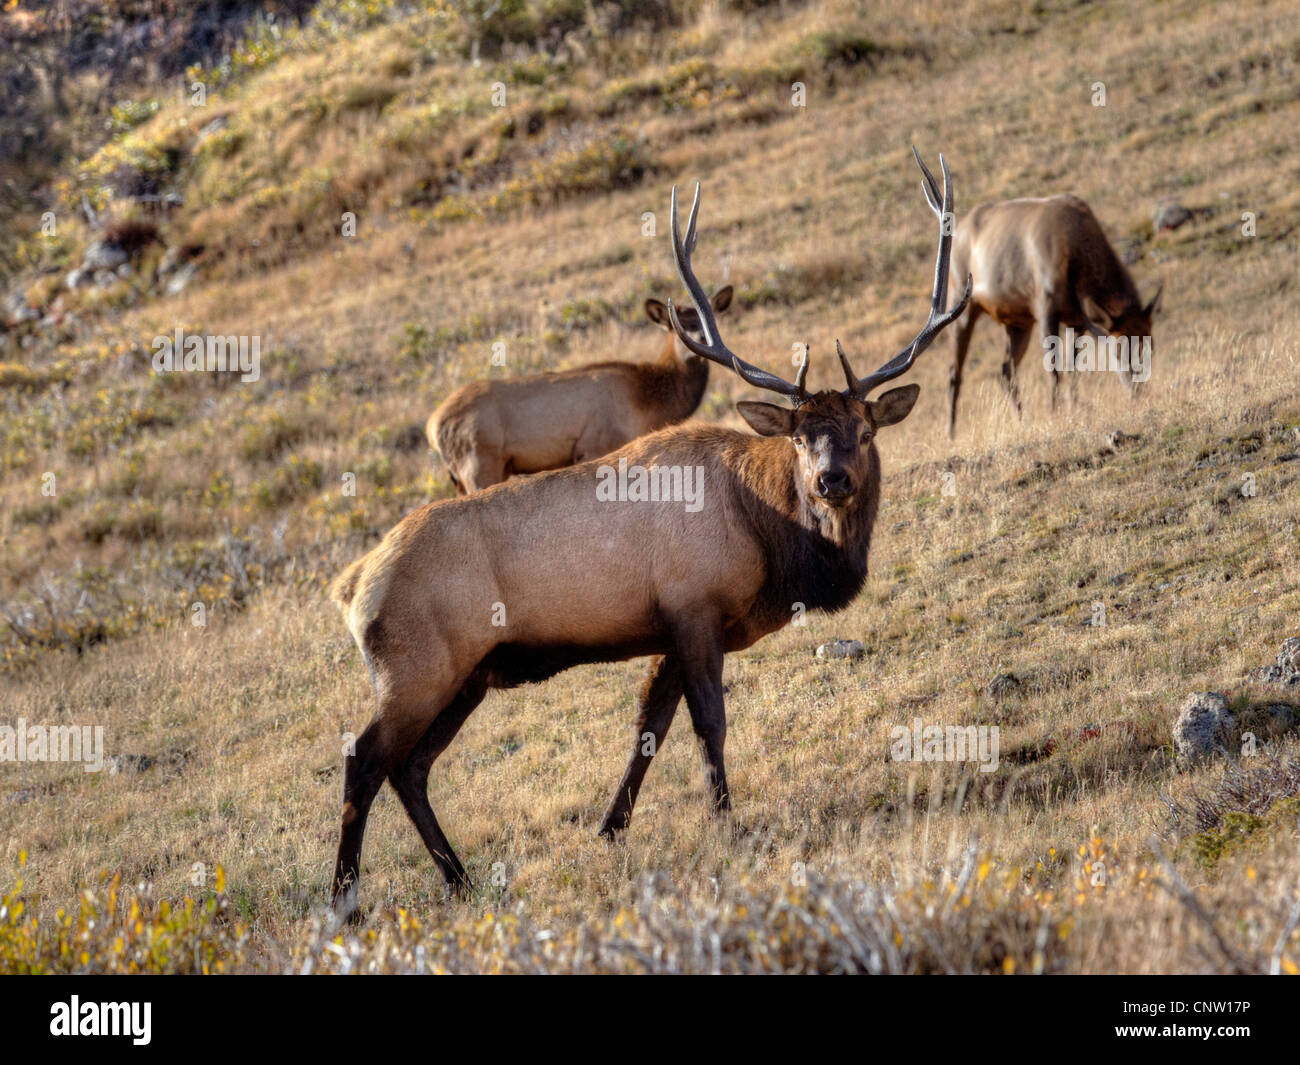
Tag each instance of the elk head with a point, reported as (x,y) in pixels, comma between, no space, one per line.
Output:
(1133,324)
(832,432)
(1137,322)
(657,312)
(1134,321)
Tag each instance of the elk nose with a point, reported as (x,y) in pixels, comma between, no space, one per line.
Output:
(833,483)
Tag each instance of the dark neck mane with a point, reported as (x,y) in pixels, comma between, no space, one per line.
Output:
(679,386)
(1107,281)
(815,556)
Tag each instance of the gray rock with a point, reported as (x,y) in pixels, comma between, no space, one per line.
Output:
(19,310)
(1285,670)
(1258,413)
(103,255)
(1205,724)
(105,278)
(78,278)
(1283,716)
(170,261)
(841,649)
(177,282)
(215,126)
(1001,685)
(1289,656)
(1170,216)
(128,763)
(1129,251)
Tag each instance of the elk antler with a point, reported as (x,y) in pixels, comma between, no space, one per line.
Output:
(713,348)
(938,320)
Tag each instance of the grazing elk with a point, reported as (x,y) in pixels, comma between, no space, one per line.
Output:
(488,430)
(531,577)
(1045,261)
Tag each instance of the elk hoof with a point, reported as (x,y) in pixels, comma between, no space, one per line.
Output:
(610,829)
(741,831)
(345,905)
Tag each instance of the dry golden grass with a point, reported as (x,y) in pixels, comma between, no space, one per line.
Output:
(818,218)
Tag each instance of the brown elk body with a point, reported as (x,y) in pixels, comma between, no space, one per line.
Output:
(534,576)
(488,430)
(1045,262)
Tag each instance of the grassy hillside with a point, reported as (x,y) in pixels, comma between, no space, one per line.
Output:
(525,224)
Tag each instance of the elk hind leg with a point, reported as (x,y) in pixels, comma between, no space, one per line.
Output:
(378,749)
(595,442)
(482,470)
(660,695)
(411,782)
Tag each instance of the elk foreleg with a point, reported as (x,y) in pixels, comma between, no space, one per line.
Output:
(660,695)
(1051,320)
(1017,342)
(699,649)
(961,334)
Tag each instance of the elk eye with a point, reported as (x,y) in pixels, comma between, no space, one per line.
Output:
(866,435)
(799,442)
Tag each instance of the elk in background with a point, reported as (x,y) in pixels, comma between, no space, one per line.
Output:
(1044,261)
(488,430)
(540,574)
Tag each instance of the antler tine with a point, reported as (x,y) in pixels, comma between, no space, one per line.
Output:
(855,386)
(938,319)
(929,186)
(714,349)
(947,223)
(682,259)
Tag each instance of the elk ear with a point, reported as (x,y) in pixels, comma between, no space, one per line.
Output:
(894,405)
(1151,308)
(1098,315)
(767,419)
(722,298)
(657,312)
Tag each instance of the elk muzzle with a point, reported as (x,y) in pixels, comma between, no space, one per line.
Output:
(830,477)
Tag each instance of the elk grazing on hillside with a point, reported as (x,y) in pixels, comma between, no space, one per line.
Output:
(488,430)
(531,577)
(1044,261)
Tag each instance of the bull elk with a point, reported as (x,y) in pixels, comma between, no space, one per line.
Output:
(488,430)
(518,583)
(1044,261)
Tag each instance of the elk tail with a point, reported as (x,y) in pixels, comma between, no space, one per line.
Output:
(344,587)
